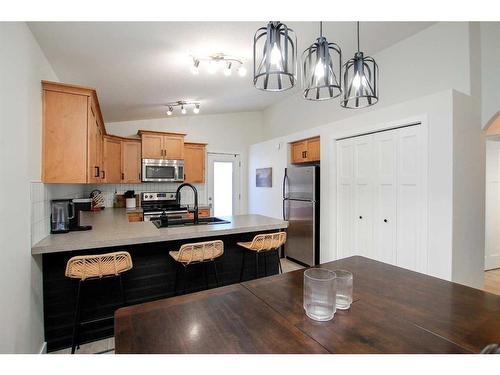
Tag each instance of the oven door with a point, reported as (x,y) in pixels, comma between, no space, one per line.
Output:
(154,170)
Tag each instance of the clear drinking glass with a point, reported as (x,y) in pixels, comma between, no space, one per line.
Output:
(319,294)
(344,289)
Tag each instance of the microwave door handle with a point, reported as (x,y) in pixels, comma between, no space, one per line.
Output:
(72,205)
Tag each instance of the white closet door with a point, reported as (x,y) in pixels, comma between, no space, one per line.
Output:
(345,198)
(385,196)
(363,196)
(408,250)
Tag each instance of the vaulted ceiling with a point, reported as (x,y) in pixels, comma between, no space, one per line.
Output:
(137,67)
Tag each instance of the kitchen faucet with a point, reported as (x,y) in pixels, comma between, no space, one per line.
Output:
(178,198)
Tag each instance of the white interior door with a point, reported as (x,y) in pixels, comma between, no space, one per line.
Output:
(384,223)
(363,196)
(492,223)
(345,198)
(224,193)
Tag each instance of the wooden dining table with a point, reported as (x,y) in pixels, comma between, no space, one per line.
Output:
(394,310)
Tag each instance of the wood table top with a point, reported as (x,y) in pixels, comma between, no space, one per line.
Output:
(394,311)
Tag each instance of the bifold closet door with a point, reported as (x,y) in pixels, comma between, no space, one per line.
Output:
(345,198)
(409,252)
(385,196)
(363,196)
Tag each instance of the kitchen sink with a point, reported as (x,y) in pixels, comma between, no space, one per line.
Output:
(189,222)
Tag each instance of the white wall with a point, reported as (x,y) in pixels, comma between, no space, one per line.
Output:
(490,67)
(22,66)
(227,133)
(468,191)
(435,110)
(435,59)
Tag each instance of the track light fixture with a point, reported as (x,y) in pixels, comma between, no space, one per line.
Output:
(183,104)
(217,60)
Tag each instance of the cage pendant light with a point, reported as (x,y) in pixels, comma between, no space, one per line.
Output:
(274,57)
(321,65)
(360,81)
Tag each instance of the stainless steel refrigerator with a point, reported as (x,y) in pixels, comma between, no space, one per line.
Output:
(301,210)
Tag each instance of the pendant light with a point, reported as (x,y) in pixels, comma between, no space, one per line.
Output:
(321,69)
(274,57)
(360,81)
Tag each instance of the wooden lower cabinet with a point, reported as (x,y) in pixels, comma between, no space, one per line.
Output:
(202,212)
(194,162)
(135,216)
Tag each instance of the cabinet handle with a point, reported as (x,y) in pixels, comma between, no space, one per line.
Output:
(97,173)
(123,176)
(103,173)
(305,152)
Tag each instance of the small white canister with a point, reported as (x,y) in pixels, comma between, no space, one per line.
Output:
(130,202)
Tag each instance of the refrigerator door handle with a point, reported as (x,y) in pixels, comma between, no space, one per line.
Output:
(284,211)
(285,181)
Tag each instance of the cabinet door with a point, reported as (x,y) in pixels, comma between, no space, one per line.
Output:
(345,198)
(299,150)
(313,149)
(100,151)
(64,134)
(194,163)
(93,174)
(131,162)
(363,196)
(385,196)
(173,147)
(152,146)
(112,160)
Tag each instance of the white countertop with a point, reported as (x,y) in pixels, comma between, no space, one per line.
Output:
(111,227)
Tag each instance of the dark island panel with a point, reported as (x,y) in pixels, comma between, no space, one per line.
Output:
(151,278)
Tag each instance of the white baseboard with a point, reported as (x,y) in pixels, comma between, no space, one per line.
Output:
(43,349)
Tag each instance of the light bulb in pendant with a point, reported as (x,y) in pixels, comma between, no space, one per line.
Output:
(276,56)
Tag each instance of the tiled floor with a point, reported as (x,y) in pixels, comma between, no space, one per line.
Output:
(492,281)
(107,346)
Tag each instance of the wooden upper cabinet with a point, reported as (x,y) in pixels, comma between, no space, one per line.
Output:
(72,141)
(160,145)
(313,149)
(152,146)
(307,150)
(131,161)
(194,162)
(112,154)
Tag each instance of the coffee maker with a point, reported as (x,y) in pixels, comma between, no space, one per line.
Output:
(80,204)
(61,212)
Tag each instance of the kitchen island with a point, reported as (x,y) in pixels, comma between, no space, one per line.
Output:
(394,310)
(153,274)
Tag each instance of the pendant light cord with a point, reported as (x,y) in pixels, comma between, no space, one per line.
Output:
(357,24)
(321,28)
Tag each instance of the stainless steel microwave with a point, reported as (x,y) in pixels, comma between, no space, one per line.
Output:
(158,170)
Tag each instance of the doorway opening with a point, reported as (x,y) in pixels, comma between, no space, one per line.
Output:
(224,194)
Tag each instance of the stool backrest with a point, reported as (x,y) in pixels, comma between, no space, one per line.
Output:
(268,241)
(97,266)
(201,251)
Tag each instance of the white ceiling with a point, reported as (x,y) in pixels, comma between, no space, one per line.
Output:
(136,67)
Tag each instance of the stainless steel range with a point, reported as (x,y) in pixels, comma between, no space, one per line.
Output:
(155,203)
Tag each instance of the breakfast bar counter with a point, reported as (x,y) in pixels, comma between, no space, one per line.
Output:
(110,227)
(394,310)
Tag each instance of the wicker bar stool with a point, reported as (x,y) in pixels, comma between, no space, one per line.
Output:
(95,267)
(197,253)
(263,243)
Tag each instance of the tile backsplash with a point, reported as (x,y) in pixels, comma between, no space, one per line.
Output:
(40,196)
(187,196)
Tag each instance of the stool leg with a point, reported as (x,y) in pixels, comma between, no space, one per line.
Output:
(265,263)
(76,324)
(242,266)
(176,282)
(216,277)
(122,291)
(184,279)
(279,261)
(205,271)
(256,264)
